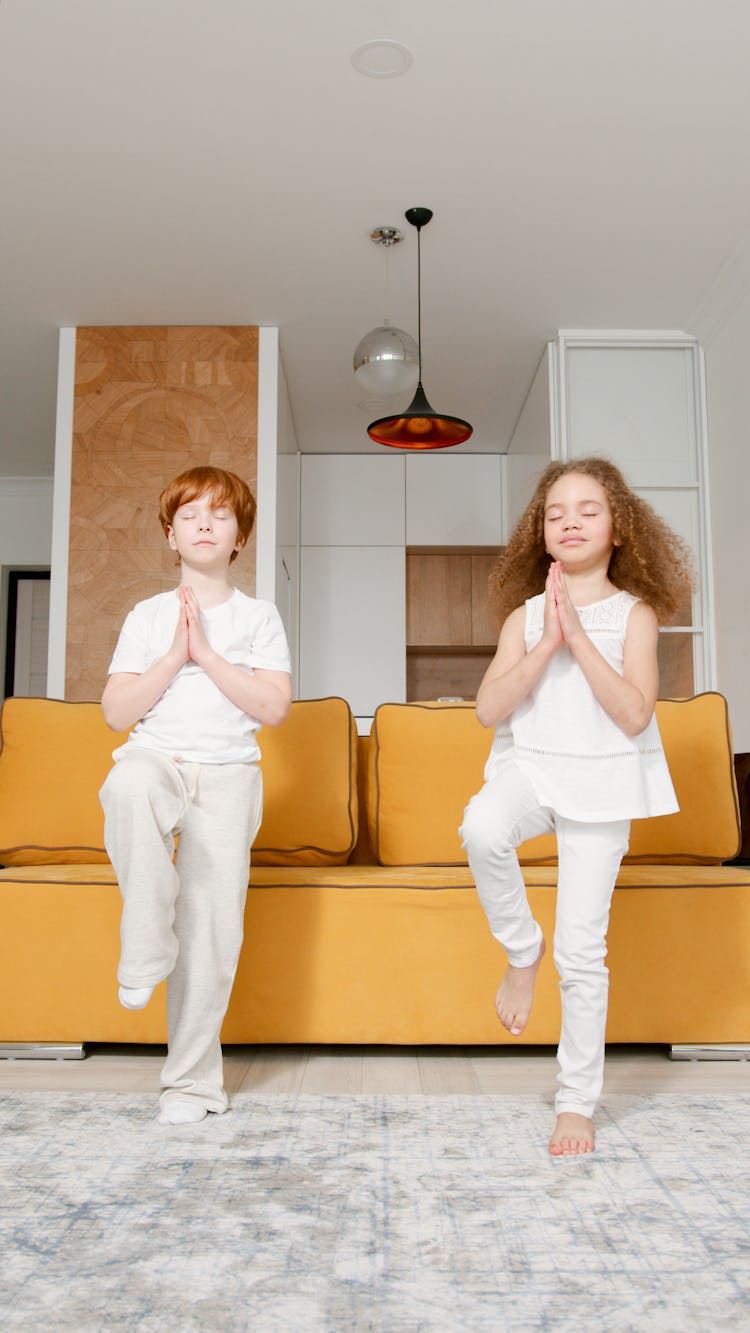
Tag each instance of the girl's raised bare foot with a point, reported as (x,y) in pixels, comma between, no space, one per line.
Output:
(573,1134)
(516,995)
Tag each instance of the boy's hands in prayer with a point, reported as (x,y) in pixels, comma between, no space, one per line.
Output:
(180,650)
(199,649)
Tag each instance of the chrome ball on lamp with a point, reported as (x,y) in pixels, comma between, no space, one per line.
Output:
(386,361)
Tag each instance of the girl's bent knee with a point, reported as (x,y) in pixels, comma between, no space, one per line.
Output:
(483,835)
(482,810)
(475,831)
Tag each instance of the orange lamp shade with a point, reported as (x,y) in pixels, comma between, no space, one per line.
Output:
(419,427)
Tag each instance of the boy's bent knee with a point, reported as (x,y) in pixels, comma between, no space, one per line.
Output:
(134,776)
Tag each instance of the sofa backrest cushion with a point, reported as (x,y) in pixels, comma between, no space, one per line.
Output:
(698,744)
(56,755)
(425,764)
(310,808)
(426,761)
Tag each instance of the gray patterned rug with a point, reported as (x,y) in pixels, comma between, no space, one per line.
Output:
(372,1213)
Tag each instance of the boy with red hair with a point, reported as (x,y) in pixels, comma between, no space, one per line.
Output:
(196,673)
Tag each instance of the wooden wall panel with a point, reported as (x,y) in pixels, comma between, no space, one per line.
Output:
(676,670)
(484,627)
(438,598)
(436,675)
(149,403)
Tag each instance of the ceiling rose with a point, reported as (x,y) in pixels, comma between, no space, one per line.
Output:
(382,59)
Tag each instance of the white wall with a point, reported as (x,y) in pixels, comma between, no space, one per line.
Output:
(25,520)
(723,325)
(25,535)
(532,443)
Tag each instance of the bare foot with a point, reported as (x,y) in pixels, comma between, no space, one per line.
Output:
(573,1134)
(516,995)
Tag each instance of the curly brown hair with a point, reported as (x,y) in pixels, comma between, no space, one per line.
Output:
(651,561)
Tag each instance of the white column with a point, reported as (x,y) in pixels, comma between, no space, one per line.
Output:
(58,605)
(268,415)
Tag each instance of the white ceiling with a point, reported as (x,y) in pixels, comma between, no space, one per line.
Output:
(221,162)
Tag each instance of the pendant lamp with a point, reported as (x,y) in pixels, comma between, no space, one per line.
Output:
(385,360)
(419,427)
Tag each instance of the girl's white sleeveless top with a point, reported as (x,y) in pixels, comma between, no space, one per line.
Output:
(577,759)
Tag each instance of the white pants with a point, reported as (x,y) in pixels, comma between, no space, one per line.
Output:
(502,815)
(183,919)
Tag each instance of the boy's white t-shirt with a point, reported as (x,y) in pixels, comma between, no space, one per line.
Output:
(193,721)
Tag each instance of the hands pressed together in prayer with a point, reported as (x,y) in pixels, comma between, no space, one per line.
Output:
(190,642)
(561,620)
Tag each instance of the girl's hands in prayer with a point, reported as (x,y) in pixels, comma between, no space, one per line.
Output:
(568,618)
(552,632)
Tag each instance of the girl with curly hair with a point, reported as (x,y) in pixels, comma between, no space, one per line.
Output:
(588,572)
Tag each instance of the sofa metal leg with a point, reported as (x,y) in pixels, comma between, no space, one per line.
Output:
(721,1051)
(42,1050)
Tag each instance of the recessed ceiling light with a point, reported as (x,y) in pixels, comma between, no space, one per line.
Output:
(382,59)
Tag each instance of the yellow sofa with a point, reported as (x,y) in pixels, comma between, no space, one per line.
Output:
(362,924)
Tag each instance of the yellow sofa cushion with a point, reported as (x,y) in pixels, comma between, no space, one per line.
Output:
(310,809)
(55,757)
(426,762)
(698,744)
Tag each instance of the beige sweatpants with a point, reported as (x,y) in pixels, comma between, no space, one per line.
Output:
(183,919)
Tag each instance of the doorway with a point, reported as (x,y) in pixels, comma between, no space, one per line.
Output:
(27,633)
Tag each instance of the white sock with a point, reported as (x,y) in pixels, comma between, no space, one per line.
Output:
(137,998)
(177,1111)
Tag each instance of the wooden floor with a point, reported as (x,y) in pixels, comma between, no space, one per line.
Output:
(371,1069)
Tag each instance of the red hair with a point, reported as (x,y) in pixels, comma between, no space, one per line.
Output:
(224,488)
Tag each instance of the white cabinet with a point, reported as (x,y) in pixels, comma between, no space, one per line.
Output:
(433,500)
(352,500)
(638,402)
(358,514)
(352,624)
(635,405)
(454,501)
